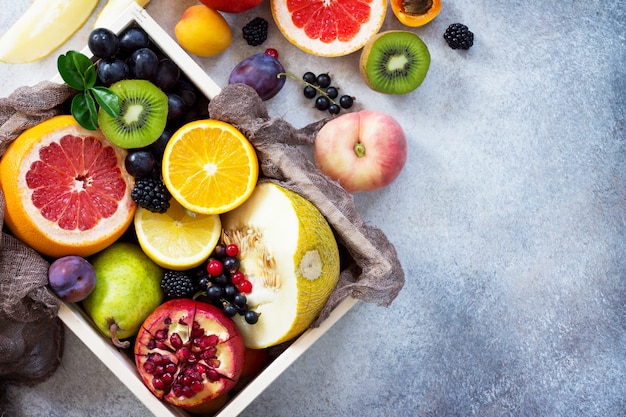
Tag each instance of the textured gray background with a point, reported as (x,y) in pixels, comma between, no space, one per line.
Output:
(509,220)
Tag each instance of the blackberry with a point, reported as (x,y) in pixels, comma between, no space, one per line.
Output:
(458,36)
(177,284)
(255,31)
(151,194)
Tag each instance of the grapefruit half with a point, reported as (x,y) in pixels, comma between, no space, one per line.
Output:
(66,189)
(329,27)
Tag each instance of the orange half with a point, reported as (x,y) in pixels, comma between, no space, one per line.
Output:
(210,167)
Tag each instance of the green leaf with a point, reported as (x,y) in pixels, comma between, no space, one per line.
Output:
(84,111)
(107,99)
(77,70)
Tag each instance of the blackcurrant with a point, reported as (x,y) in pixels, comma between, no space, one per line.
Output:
(332,92)
(309,92)
(334,109)
(309,77)
(346,101)
(231,264)
(229,309)
(322,103)
(251,317)
(323,80)
(214,293)
(240,300)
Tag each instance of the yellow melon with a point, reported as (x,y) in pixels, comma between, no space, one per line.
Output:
(289,253)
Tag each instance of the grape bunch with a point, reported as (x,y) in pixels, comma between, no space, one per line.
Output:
(320,88)
(133,55)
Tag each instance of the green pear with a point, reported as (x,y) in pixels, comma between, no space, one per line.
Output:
(127,290)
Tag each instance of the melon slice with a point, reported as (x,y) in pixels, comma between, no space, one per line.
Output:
(290,255)
(113,9)
(45,26)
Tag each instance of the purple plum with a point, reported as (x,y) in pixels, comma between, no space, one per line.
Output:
(71,278)
(260,71)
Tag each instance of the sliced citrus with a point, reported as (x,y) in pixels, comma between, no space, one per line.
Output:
(329,27)
(66,189)
(210,167)
(177,239)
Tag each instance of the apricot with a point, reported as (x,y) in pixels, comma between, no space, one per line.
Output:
(203,31)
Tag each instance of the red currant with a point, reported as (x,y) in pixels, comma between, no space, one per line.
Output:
(237,277)
(215,268)
(245,286)
(272,52)
(232,250)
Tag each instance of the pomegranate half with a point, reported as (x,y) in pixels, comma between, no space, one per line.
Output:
(188,353)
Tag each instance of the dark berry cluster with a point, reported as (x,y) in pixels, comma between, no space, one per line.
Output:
(224,284)
(458,36)
(255,31)
(320,88)
(178,284)
(151,194)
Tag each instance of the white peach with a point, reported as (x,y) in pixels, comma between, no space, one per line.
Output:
(364,150)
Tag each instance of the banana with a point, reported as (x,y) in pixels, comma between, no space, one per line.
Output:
(113,8)
(45,26)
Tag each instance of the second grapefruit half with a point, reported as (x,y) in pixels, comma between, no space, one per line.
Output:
(66,189)
(329,27)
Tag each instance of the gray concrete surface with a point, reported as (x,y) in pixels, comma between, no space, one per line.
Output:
(509,220)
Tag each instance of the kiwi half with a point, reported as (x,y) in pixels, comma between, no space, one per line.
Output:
(394,62)
(143,114)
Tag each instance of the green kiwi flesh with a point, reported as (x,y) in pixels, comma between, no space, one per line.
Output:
(394,62)
(143,114)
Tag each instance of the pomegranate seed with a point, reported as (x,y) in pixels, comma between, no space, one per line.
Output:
(209,353)
(177,390)
(197,386)
(213,375)
(237,277)
(245,286)
(183,353)
(272,52)
(151,344)
(187,392)
(196,330)
(148,367)
(199,368)
(159,370)
(158,383)
(170,368)
(215,363)
(176,341)
(206,341)
(167,378)
(160,335)
(232,250)
(215,268)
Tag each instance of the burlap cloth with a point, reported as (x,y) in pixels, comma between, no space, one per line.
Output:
(31,335)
